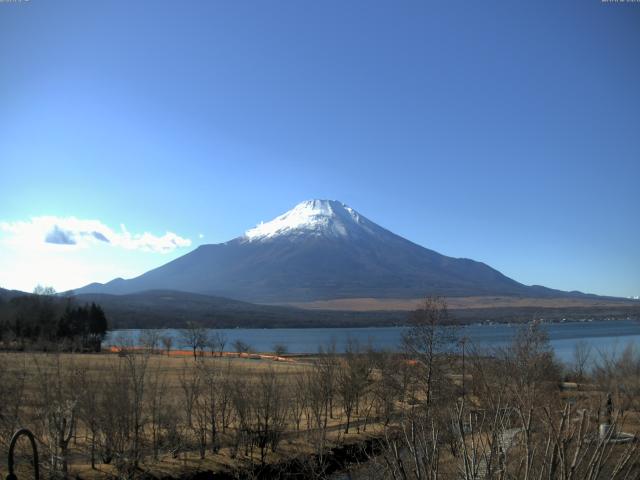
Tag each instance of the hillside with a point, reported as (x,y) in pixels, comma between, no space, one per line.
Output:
(172,309)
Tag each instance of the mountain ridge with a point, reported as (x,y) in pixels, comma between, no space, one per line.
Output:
(322,250)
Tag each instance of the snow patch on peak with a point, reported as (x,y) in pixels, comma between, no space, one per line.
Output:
(312,217)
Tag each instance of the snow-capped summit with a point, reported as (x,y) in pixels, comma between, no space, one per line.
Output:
(328,218)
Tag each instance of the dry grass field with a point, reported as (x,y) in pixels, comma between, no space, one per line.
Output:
(40,379)
(458,303)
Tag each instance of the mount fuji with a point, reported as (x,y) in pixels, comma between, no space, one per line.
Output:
(322,250)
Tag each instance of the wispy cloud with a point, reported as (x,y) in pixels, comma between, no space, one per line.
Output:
(71,232)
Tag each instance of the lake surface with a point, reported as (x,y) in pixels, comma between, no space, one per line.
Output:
(603,336)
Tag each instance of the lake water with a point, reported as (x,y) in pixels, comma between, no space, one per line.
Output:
(604,336)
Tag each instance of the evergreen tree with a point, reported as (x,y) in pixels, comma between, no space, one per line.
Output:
(47,318)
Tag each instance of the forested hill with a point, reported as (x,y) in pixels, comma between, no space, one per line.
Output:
(172,309)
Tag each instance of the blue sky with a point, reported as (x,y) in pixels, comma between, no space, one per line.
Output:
(500,131)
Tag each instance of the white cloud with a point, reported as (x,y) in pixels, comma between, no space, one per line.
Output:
(50,232)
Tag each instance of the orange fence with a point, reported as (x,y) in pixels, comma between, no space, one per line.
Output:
(189,353)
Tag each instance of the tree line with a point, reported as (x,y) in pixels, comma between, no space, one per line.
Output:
(45,321)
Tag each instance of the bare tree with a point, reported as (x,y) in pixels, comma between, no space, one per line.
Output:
(114,414)
(156,405)
(190,385)
(44,291)
(327,369)
(353,379)
(269,412)
(581,357)
(150,339)
(57,408)
(529,367)
(216,342)
(88,404)
(299,400)
(618,373)
(387,389)
(167,343)
(412,449)
(429,341)
(201,410)
(241,347)
(195,337)
(240,388)
(320,383)
(212,384)
(136,370)
(279,349)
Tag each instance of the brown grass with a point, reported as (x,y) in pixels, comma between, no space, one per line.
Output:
(172,367)
(455,303)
